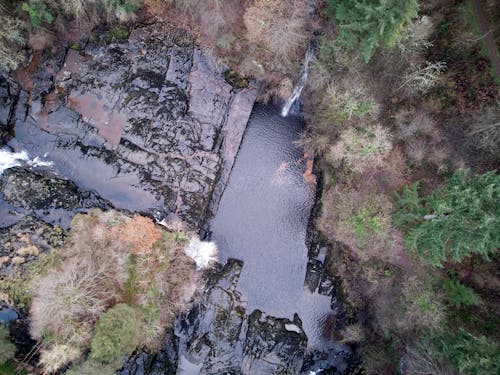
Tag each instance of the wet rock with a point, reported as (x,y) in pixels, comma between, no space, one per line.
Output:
(8,97)
(217,336)
(313,274)
(53,199)
(138,122)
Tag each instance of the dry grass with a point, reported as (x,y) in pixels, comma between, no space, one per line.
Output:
(353,333)
(359,219)
(58,356)
(409,308)
(361,148)
(280,26)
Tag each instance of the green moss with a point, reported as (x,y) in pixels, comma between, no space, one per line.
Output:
(234,79)
(7,349)
(365,223)
(9,368)
(117,33)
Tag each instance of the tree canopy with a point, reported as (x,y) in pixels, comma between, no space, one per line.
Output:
(365,25)
(455,221)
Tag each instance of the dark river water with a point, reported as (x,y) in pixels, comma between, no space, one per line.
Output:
(262,220)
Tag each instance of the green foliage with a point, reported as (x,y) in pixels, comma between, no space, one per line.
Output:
(90,367)
(365,223)
(117,333)
(7,349)
(467,353)
(123,5)
(38,12)
(365,25)
(459,294)
(455,221)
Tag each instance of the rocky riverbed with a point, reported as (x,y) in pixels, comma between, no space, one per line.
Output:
(146,124)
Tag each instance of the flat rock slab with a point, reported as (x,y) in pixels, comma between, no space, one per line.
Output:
(139,123)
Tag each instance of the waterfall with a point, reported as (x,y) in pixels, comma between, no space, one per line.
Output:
(297,90)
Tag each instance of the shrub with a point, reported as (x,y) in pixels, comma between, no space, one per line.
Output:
(7,349)
(484,130)
(366,25)
(158,290)
(358,219)
(108,260)
(90,367)
(57,356)
(467,353)
(455,221)
(142,240)
(12,38)
(38,12)
(117,333)
(420,79)
(360,148)
(280,26)
(414,39)
(459,294)
(70,298)
(419,361)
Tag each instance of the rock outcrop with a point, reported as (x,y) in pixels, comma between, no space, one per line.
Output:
(218,336)
(140,123)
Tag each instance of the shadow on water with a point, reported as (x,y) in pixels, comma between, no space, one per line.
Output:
(262,220)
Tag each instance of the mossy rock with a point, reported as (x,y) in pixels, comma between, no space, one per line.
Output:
(116,33)
(235,79)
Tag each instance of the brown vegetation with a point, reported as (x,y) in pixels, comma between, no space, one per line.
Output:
(378,128)
(108,259)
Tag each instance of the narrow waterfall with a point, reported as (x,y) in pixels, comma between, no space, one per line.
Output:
(297,90)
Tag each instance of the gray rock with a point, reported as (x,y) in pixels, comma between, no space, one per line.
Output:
(138,123)
(54,199)
(217,336)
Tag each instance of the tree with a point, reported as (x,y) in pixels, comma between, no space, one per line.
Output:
(365,25)
(455,221)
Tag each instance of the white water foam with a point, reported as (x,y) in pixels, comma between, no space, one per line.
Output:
(9,159)
(202,252)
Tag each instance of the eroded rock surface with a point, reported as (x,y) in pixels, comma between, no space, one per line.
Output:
(139,123)
(218,336)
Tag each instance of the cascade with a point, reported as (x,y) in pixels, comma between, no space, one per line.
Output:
(297,90)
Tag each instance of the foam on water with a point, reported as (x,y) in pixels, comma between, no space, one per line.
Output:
(202,252)
(9,159)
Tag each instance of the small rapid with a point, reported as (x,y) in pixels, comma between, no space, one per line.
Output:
(9,159)
(297,90)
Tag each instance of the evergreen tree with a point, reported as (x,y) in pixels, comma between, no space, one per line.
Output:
(455,221)
(365,25)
